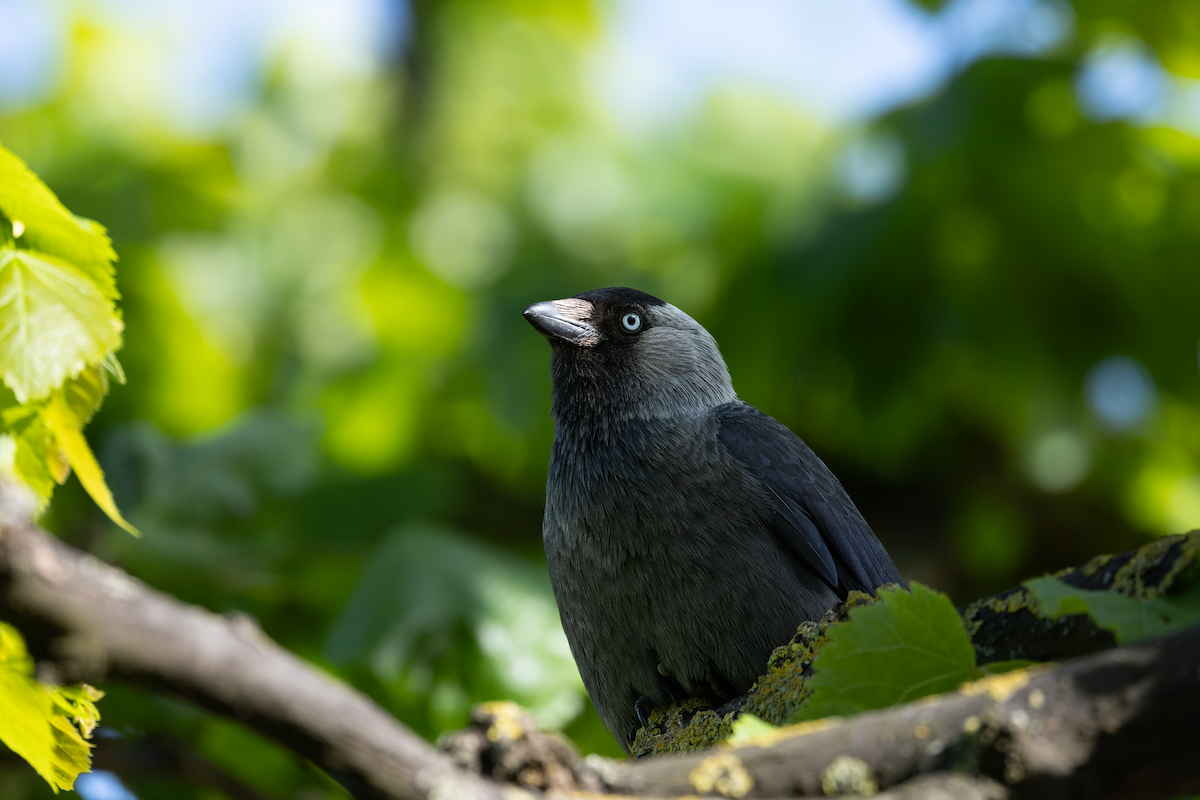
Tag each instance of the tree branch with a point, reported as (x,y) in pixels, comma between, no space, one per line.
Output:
(1004,626)
(1119,724)
(1007,626)
(91,621)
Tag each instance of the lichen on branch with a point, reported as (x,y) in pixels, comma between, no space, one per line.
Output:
(1006,626)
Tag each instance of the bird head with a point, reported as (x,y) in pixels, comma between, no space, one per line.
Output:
(623,353)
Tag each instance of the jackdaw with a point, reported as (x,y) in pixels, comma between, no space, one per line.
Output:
(687,533)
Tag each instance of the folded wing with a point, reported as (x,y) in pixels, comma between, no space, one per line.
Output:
(813,514)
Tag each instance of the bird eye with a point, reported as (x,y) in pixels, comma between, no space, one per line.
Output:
(631,322)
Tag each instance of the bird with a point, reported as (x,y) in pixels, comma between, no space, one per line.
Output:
(687,533)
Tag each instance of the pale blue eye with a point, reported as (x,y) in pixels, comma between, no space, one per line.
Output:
(631,322)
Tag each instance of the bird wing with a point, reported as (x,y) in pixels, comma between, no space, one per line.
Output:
(813,513)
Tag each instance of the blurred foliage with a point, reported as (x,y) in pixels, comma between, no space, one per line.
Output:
(441,619)
(978,308)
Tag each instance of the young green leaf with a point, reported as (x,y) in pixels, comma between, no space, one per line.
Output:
(58,334)
(65,425)
(84,393)
(1130,619)
(46,225)
(33,451)
(747,727)
(902,647)
(53,323)
(78,704)
(38,722)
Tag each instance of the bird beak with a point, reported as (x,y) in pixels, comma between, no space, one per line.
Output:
(563,320)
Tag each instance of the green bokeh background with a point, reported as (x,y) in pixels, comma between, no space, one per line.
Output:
(336,420)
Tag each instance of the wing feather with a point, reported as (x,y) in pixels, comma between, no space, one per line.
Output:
(813,514)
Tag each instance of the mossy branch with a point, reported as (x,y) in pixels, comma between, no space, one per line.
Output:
(1002,627)
(1119,724)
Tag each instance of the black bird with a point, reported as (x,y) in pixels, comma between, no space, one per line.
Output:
(687,533)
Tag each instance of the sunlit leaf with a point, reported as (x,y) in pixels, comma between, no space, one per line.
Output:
(65,426)
(39,722)
(1130,619)
(78,703)
(903,647)
(113,367)
(51,228)
(747,727)
(33,461)
(84,393)
(53,323)
(58,331)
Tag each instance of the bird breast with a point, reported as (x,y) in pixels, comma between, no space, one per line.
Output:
(638,481)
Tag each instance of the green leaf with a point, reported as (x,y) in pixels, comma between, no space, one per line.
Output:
(902,647)
(58,333)
(113,367)
(51,228)
(1001,667)
(45,725)
(747,727)
(65,425)
(53,323)
(13,654)
(1130,619)
(84,393)
(34,457)
(78,704)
